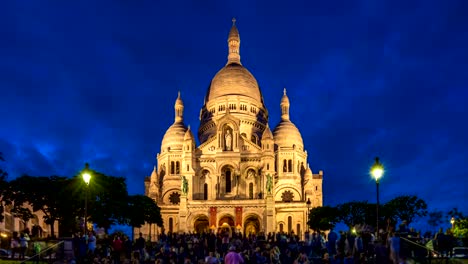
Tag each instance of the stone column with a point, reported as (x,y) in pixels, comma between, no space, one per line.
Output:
(183,213)
(270,214)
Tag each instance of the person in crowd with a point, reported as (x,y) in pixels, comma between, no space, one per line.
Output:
(232,257)
(140,246)
(91,243)
(394,247)
(23,241)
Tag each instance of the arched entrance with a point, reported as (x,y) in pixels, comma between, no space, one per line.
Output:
(251,225)
(201,225)
(226,225)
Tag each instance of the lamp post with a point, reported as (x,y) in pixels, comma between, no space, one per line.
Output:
(452,221)
(377,171)
(86,178)
(307,214)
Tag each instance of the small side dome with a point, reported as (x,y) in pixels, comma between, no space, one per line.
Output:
(308,173)
(174,137)
(267,133)
(286,134)
(189,134)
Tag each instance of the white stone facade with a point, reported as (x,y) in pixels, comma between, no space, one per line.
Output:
(227,176)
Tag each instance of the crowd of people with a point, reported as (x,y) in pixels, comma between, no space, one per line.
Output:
(223,247)
(354,247)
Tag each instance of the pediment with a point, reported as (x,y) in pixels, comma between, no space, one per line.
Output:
(249,146)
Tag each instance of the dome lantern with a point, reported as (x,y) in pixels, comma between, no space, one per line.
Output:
(234,44)
(179,109)
(285,106)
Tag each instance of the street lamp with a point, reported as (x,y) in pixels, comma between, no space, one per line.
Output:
(452,221)
(307,214)
(377,171)
(86,178)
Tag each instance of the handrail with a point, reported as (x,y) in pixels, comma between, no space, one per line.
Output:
(420,245)
(47,248)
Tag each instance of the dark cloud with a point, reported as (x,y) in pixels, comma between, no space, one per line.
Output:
(96,82)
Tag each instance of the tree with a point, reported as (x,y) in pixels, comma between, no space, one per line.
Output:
(323,218)
(435,219)
(3,188)
(44,194)
(353,213)
(406,207)
(460,229)
(455,214)
(107,198)
(141,210)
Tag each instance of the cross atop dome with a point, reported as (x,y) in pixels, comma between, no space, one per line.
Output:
(233,21)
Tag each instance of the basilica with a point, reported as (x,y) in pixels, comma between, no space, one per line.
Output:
(242,177)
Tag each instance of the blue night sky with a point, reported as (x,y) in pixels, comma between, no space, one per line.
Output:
(96,81)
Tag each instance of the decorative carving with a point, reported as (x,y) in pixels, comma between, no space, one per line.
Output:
(269,184)
(287,196)
(228,140)
(184,185)
(174,198)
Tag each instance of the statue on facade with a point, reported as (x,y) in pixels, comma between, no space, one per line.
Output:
(269,184)
(228,140)
(184,185)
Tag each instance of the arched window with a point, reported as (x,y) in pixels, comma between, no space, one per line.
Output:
(289,224)
(171,225)
(172,167)
(281,228)
(268,166)
(251,190)
(285,166)
(188,167)
(228,181)
(205,191)
(254,139)
(289,165)
(177,168)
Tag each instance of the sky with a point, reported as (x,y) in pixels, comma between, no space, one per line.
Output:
(96,81)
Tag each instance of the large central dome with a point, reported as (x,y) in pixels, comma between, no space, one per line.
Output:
(234,79)
(233,91)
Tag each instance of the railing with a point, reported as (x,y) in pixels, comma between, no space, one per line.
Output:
(47,252)
(430,255)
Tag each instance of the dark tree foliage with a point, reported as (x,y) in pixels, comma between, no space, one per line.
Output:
(3,188)
(435,219)
(406,207)
(141,210)
(323,218)
(22,213)
(455,214)
(107,198)
(44,194)
(354,213)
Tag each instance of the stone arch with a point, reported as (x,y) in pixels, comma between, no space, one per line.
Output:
(228,179)
(201,224)
(251,182)
(252,224)
(226,224)
(168,193)
(228,123)
(280,226)
(202,184)
(162,173)
(289,187)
